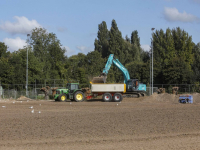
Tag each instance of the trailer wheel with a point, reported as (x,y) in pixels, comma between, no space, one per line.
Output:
(107,97)
(62,97)
(117,97)
(79,96)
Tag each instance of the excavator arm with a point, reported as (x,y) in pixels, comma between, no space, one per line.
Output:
(117,63)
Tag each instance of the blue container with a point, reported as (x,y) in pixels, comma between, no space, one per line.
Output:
(186,99)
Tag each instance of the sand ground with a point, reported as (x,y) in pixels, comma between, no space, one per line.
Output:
(156,122)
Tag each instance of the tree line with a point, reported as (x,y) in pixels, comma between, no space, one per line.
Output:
(176,58)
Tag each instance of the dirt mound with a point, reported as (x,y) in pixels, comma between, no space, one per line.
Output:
(164,97)
(172,98)
(196,97)
(23,98)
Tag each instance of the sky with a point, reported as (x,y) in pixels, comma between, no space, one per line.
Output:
(75,22)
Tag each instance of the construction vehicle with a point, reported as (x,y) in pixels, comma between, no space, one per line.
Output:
(110,92)
(132,85)
(72,92)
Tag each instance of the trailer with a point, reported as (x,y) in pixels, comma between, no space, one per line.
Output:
(109,92)
(113,92)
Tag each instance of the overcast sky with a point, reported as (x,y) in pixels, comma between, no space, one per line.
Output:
(75,22)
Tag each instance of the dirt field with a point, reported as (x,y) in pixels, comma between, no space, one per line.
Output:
(155,122)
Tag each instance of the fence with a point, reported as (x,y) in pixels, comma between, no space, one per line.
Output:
(16,90)
(183,88)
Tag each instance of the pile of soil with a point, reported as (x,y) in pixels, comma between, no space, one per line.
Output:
(23,98)
(169,98)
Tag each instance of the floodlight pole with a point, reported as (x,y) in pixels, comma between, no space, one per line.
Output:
(152,58)
(150,72)
(28,35)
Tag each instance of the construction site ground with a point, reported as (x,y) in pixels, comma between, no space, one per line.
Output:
(148,123)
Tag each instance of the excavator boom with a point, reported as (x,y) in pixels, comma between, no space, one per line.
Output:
(116,62)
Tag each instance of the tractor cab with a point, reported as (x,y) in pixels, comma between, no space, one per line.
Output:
(72,86)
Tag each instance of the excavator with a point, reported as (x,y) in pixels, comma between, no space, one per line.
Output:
(132,85)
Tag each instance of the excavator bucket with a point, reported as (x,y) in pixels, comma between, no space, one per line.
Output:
(100,79)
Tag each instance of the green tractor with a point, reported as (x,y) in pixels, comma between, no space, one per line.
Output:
(71,93)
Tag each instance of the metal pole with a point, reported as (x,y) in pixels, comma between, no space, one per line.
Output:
(27,66)
(150,72)
(152,67)
(1,90)
(152,58)
(35,85)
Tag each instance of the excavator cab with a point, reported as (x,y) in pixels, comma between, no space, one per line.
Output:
(132,85)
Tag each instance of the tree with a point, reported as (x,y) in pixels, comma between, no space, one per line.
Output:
(173,50)
(116,47)
(95,64)
(18,61)
(196,63)
(116,42)
(82,77)
(138,70)
(128,51)
(49,51)
(74,63)
(183,45)
(6,71)
(179,72)
(135,41)
(101,44)
(4,50)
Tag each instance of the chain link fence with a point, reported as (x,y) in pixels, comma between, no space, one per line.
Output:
(15,91)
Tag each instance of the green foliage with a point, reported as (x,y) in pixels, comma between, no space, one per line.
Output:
(138,70)
(94,63)
(7,70)
(176,58)
(3,50)
(82,78)
(49,51)
(101,44)
(178,72)
(196,63)
(173,56)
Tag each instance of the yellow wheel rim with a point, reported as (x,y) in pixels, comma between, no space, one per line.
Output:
(63,98)
(79,97)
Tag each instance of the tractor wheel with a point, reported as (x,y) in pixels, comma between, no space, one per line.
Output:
(117,97)
(107,97)
(62,97)
(79,96)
